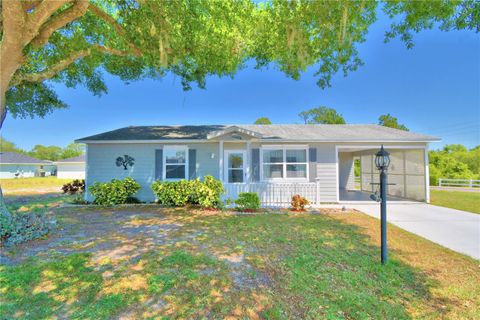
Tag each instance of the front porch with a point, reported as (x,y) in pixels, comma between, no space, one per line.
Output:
(276,194)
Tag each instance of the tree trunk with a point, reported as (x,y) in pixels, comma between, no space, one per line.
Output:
(4,213)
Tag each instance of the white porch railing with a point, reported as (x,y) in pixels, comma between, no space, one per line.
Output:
(465,183)
(276,194)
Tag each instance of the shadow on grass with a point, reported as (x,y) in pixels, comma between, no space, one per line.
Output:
(323,268)
(173,264)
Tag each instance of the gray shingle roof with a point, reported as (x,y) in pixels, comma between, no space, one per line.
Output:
(309,132)
(80,158)
(18,158)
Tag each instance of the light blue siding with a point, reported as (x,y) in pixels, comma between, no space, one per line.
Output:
(101,165)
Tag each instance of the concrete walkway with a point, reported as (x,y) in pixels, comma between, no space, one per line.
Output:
(454,229)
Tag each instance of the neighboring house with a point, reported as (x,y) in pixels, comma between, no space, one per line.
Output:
(71,168)
(276,161)
(17,165)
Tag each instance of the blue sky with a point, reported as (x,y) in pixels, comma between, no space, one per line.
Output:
(433,88)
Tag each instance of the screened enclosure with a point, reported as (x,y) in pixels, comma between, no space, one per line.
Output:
(406,173)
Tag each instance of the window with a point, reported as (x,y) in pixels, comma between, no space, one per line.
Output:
(175,162)
(285,163)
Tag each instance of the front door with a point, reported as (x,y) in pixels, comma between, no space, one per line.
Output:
(235,166)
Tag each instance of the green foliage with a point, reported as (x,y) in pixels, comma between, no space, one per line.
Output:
(8,146)
(205,193)
(357,167)
(298,202)
(51,153)
(413,16)
(32,99)
(72,150)
(388,120)
(114,192)
(74,187)
(24,226)
(322,115)
(263,120)
(454,162)
(248,201)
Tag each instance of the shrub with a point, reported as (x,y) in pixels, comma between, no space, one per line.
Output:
(24,226)
(205,193)
(248,201)
(172,193)
(299,202)
(114,192)
(74,187)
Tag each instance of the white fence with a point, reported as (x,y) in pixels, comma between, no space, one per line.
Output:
(276,194)
(465,183)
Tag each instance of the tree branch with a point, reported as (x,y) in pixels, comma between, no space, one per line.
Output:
(30,4)
(75,11)
(114,23)
(52,71)
(39,16)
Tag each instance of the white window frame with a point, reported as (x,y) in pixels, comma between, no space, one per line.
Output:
(244,169)
(164,160)
(284,163)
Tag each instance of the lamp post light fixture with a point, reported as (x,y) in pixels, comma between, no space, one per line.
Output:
(382,161)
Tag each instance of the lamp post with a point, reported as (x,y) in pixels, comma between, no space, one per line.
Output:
(382,161)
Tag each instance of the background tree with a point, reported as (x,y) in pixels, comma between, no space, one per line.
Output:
(263,120)
(42,152)
(388,120)
(321,115)
(8,146)
(72,150)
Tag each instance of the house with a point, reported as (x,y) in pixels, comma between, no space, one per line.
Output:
(17,165)
(276,161)
(71,168)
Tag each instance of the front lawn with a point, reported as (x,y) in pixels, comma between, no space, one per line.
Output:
(466,201)
(148,262)
(36,185)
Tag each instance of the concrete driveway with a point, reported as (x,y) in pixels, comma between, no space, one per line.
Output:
(454,229)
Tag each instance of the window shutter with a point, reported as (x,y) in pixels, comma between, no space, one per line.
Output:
(312,166)
(158,164)
(192,164)
(255,167)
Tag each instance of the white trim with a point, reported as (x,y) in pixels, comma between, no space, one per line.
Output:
(164,161)
(284,163)
(427,175)
(28,164)
(337,174)
(85,196)
(69,162)
(220,161)
(385,146)
(244,163)
(170,141)
(233,129)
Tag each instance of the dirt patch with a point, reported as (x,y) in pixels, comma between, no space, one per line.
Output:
(110,235)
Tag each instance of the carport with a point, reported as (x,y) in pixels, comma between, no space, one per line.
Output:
(407,173)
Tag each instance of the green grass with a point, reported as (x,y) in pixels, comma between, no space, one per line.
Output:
(467,201)
(294,266)
(31,185)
